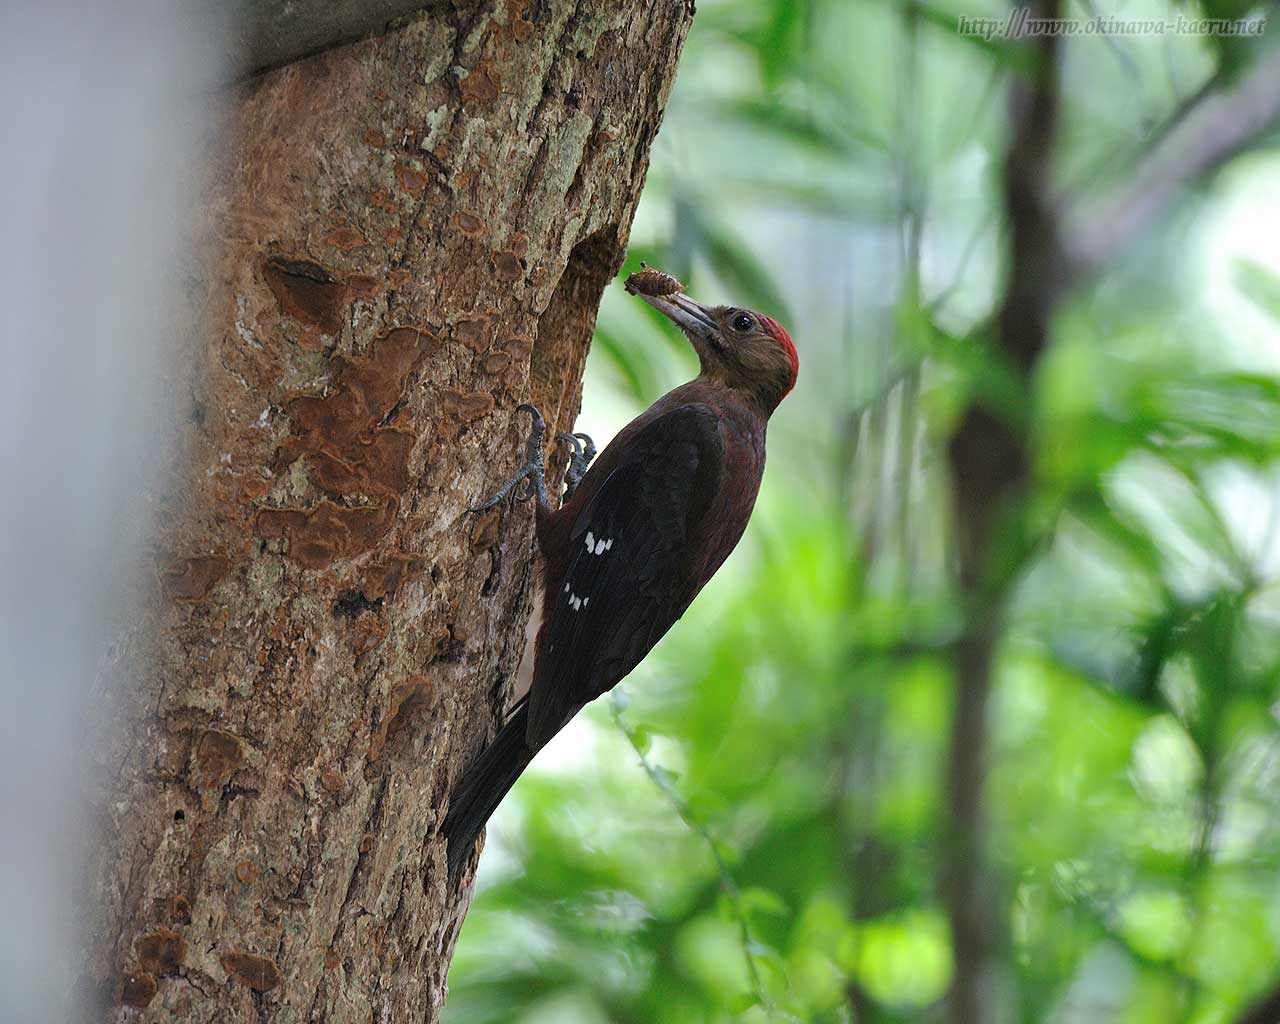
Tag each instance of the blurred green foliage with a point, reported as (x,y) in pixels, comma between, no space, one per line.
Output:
(753,829)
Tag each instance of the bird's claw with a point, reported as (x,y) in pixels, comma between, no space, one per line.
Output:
(584,450)
(532,474)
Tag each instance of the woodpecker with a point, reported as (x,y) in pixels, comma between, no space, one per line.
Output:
(639,532)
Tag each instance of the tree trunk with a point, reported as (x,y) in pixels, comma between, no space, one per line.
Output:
(411,236)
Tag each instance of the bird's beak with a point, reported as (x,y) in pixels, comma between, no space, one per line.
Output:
(691,317)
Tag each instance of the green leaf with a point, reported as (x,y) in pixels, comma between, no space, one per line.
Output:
(781,41)
(637,374)
(1259,284)
(800,128)
(735,264)
(664,777)
(642,738)
(1011,54)
(758,899)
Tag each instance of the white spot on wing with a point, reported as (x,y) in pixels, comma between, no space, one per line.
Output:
(591,541)
(602,546)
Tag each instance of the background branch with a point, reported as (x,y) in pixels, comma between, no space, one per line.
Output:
(1219,125)
(989,467)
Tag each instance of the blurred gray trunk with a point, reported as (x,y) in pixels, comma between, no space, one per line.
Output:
(399,241)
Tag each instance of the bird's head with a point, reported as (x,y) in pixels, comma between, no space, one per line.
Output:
(739,347)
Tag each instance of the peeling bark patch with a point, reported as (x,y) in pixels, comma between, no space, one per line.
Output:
(259,973)
(364,391)
(484,531)
(411,179)
(137,989)
(219,753)
(473,332)
(381,378)
(363,285)
(382,200)
(328,532)
(189,580)
(466,406)
(378,464)
(306,291)
(344,238)
(252,490)
(407,697)
(468,224)
(496,362)
(351,453)
(520,347)
(160,952)
(506,267)
(365,606)
(481,87)
(246,872)
(384,578)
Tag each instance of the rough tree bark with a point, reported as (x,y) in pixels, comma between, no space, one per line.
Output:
(412,235)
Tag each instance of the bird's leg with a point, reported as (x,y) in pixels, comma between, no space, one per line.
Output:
(532,473)
(584,450)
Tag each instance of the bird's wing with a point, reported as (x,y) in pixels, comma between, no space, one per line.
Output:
(627,579)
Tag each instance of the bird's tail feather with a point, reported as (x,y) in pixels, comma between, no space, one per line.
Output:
(483,786)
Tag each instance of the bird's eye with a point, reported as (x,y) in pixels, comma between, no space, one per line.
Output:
(742,322)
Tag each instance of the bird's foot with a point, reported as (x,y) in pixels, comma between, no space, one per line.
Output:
(584,450)
(532,473)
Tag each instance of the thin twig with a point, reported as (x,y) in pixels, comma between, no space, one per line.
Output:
(1220,124)
(1096,171)
(1125,59)
(727,881)
(939,301)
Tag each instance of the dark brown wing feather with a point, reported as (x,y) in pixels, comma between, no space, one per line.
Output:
(628,578)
